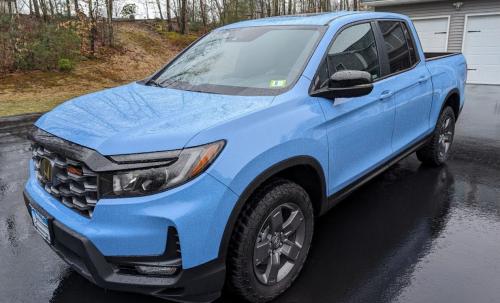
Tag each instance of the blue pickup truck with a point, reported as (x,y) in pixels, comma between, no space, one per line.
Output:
(212,171)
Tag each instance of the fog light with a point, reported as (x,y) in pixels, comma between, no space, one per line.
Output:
(156,270)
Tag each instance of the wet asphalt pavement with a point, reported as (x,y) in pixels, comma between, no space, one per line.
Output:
(414,234)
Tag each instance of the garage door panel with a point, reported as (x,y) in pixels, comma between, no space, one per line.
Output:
(484,76)
(481,40)
(483,60)
(432,33)
(482,49)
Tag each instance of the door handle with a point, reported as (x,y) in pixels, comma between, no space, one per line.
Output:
(423,79)
(386,94)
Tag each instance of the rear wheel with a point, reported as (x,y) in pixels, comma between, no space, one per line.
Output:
(437,150)
(271,240)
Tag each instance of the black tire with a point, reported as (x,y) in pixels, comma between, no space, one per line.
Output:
(246,272)
(438,149)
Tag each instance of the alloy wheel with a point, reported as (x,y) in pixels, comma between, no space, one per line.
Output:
(279,243)
(446,137)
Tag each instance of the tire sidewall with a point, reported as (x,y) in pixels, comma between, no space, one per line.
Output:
(446,113)
(267,204)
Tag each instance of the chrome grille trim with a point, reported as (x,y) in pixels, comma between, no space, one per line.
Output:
(78,192)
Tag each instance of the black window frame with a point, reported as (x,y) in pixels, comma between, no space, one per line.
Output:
(374,28)
(382,53)
(386,55)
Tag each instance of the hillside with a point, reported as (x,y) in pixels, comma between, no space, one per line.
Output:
(140,51)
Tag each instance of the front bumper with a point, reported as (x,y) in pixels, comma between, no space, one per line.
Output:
(202,283)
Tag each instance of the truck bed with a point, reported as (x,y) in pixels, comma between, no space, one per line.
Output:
(436,55)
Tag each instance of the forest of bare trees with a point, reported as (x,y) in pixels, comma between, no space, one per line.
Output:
(37,34)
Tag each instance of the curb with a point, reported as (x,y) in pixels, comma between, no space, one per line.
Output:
(18,119)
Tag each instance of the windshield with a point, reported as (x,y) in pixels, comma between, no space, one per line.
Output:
(243,61)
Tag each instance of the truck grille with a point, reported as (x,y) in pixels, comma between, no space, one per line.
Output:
(67,180)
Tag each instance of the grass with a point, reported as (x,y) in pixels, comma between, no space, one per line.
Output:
(140,52)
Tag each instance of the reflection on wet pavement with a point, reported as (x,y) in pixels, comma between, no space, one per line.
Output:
(414,234)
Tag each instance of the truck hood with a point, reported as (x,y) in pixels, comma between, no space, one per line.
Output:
(136,118)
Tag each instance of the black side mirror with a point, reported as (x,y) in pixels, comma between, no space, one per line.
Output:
(345,84)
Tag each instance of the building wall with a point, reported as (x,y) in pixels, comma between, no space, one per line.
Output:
(442,8)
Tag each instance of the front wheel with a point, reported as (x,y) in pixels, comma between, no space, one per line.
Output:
(271,240)
(437,150)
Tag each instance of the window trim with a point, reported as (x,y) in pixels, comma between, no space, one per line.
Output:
(375,29)
(419,60)
(382,53)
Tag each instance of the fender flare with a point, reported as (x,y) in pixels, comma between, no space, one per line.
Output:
(258,181)
(451,92)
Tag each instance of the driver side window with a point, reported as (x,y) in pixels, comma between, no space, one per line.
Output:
(353,49)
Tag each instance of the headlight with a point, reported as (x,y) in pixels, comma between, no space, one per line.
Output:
(189,163)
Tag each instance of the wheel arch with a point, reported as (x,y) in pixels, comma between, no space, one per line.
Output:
(306,171)
(452,99)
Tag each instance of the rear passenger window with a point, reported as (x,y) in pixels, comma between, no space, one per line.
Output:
(396,46)
(411,44)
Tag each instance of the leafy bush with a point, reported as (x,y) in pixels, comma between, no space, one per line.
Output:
(65,65)
(28,43)
(48,45)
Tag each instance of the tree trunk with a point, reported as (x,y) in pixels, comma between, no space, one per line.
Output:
(169,19)
(43,6)
(68,8)
(109,10)
(184,17)
(203,15)
(36,8)
(159,9)
(51,6)
(77,7)
(93,30)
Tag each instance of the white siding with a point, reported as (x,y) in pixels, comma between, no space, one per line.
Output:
(441,8)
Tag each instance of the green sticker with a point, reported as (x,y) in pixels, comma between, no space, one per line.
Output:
(277,83)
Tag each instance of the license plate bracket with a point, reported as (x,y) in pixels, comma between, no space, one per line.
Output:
(42,224)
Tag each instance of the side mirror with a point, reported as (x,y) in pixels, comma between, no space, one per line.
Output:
(346,84)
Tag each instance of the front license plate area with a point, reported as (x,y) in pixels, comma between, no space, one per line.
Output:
(41,224)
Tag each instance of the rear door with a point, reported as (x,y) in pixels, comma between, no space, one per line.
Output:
(359,129)
(409,82)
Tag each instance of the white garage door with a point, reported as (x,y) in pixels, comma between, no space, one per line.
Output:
(433,33)
(482,49)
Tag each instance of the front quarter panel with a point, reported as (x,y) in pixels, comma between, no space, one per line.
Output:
(290,127)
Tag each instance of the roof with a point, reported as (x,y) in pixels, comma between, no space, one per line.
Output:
(302,19)
(376,3)
(310,19)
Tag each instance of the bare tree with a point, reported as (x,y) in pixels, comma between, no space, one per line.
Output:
(109,22)
(77,7)
(36,8)
(184,17)
(159,8)
(169,19)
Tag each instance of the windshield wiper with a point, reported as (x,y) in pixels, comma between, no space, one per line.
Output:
(153,82)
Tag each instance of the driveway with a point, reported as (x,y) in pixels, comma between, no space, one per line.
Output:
(414,234)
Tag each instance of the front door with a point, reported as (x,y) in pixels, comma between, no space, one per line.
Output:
(359,129)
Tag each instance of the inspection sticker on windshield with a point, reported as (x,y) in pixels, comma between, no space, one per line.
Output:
(277,83)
